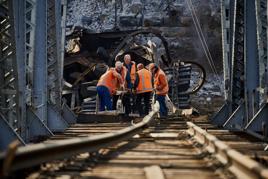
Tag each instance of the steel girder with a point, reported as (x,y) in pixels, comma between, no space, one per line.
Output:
(12,121)
(261,14)
(232,14)
(226,43)
(247,107)
(55,47)
(31,64)
(259,121)
(227,25)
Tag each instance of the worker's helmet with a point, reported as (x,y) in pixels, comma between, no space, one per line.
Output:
(140,66)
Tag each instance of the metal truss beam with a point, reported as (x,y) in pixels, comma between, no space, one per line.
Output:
(39,92)
(232,19)
(11,111)
(258,124)
(7,134)
(261,17)
(220,117)
(237,81)
(251,62)
(36,127)
(32,39)
(226,44)
(249,70)
(236,120)
(53,55)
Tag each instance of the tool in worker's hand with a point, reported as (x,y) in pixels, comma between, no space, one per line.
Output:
(119,104)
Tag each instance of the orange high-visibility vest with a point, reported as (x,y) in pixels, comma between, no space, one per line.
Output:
(160,82)
(111,79)
(145,81)
(133,72)
(123,75)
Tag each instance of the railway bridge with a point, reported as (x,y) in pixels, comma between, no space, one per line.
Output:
(44,133)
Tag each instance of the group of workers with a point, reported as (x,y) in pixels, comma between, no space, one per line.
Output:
(138,82)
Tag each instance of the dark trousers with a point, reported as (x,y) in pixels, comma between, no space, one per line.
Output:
(127,98)
(105,98)
(163,106)
(127,102)
(143,109)
(115,99)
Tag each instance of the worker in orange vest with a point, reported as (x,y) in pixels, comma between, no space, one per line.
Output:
(144,88)
(123,73)
(108,84)
(160,86)
(130,80)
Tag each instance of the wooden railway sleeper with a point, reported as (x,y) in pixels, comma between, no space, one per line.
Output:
(240,165)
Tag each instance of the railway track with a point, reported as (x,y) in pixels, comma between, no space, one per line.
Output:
(165,150)
(172,148)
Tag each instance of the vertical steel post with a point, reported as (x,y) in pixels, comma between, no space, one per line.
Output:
(261,17)
(228,16)
(12,111)
(226,42)
(39,104)
(251,61)
(259,121)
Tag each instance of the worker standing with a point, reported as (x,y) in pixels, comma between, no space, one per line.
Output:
(108,84)
(130,80)
(160,86)
(144,88)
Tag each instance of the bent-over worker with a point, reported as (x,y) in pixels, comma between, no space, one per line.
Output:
(123,73)
(107,86)
(160,86)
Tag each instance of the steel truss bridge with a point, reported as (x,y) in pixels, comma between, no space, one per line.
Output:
(32,38)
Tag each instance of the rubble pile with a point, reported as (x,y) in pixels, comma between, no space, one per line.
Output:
(172,17)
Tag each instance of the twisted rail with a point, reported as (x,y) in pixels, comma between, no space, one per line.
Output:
(35,154)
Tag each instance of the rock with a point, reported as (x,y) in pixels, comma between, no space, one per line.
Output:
(130,20)
(152,21)
(86,20)
(171,21)
(186,21)
(136,6)
(176,10)
(176,31)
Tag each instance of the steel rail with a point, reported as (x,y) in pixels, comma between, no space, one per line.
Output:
(35,154)
(240,165)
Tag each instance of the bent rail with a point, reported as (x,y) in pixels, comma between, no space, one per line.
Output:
(35,154)
(240,165)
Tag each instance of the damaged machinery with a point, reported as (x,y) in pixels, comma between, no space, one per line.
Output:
(89,55)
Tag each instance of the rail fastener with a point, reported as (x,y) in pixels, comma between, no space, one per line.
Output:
(240,165)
